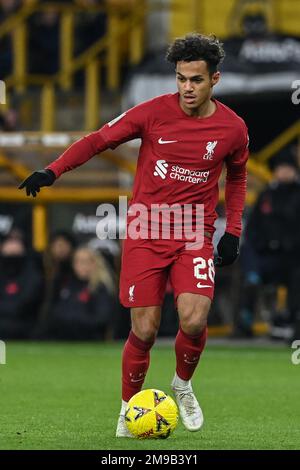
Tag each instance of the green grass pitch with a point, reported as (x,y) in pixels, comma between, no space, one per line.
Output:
(66,396)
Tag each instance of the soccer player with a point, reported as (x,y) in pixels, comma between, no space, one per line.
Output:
(186,139)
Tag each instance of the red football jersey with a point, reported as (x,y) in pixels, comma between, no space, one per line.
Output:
(180,158)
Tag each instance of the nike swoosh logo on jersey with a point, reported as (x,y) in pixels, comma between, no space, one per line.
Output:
(161,141)
(202,285)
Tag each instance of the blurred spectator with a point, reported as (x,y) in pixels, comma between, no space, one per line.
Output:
(7,8)
(20,289)
(44,42)
(58,260)
(58,270)
(81,310)
(16,218)
(9,120)
(271,252)
(91,25)
(109,249)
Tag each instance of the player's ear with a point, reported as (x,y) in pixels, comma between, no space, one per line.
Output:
(215,78)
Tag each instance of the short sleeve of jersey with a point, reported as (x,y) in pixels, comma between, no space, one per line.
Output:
(129,125)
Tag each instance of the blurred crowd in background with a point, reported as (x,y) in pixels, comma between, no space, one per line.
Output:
(270,252)
(68,292)
(44,41)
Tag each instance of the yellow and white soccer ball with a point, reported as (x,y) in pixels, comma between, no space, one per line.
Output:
(151,414)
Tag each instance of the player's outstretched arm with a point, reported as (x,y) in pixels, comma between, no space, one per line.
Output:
(37,180)
(125,127)
(74,156)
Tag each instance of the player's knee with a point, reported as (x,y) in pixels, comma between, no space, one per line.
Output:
(146,329)
(146,333)
(193,317)
(194,324)
(193,311)
(145,322)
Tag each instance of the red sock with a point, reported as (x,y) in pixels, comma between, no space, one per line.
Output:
(135,363)
(188,349)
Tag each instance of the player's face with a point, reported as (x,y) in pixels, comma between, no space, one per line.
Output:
(194,84)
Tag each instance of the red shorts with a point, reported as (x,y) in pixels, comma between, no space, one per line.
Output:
(147,265)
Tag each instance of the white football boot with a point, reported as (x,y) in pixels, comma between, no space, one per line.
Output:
(189,408)
(122,430)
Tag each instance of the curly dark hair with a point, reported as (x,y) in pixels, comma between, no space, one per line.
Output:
(196,46)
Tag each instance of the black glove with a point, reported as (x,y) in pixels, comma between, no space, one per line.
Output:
(228,250)
(36,180)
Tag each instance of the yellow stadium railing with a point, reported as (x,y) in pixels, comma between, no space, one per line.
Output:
(126,20)
(279,143)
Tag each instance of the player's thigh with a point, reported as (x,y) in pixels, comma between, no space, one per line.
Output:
(145,322)
(194,272)
(144,274)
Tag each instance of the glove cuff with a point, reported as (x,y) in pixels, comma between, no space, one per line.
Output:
(233,237)
(51,175)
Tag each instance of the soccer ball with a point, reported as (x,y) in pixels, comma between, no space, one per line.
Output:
(151,414)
